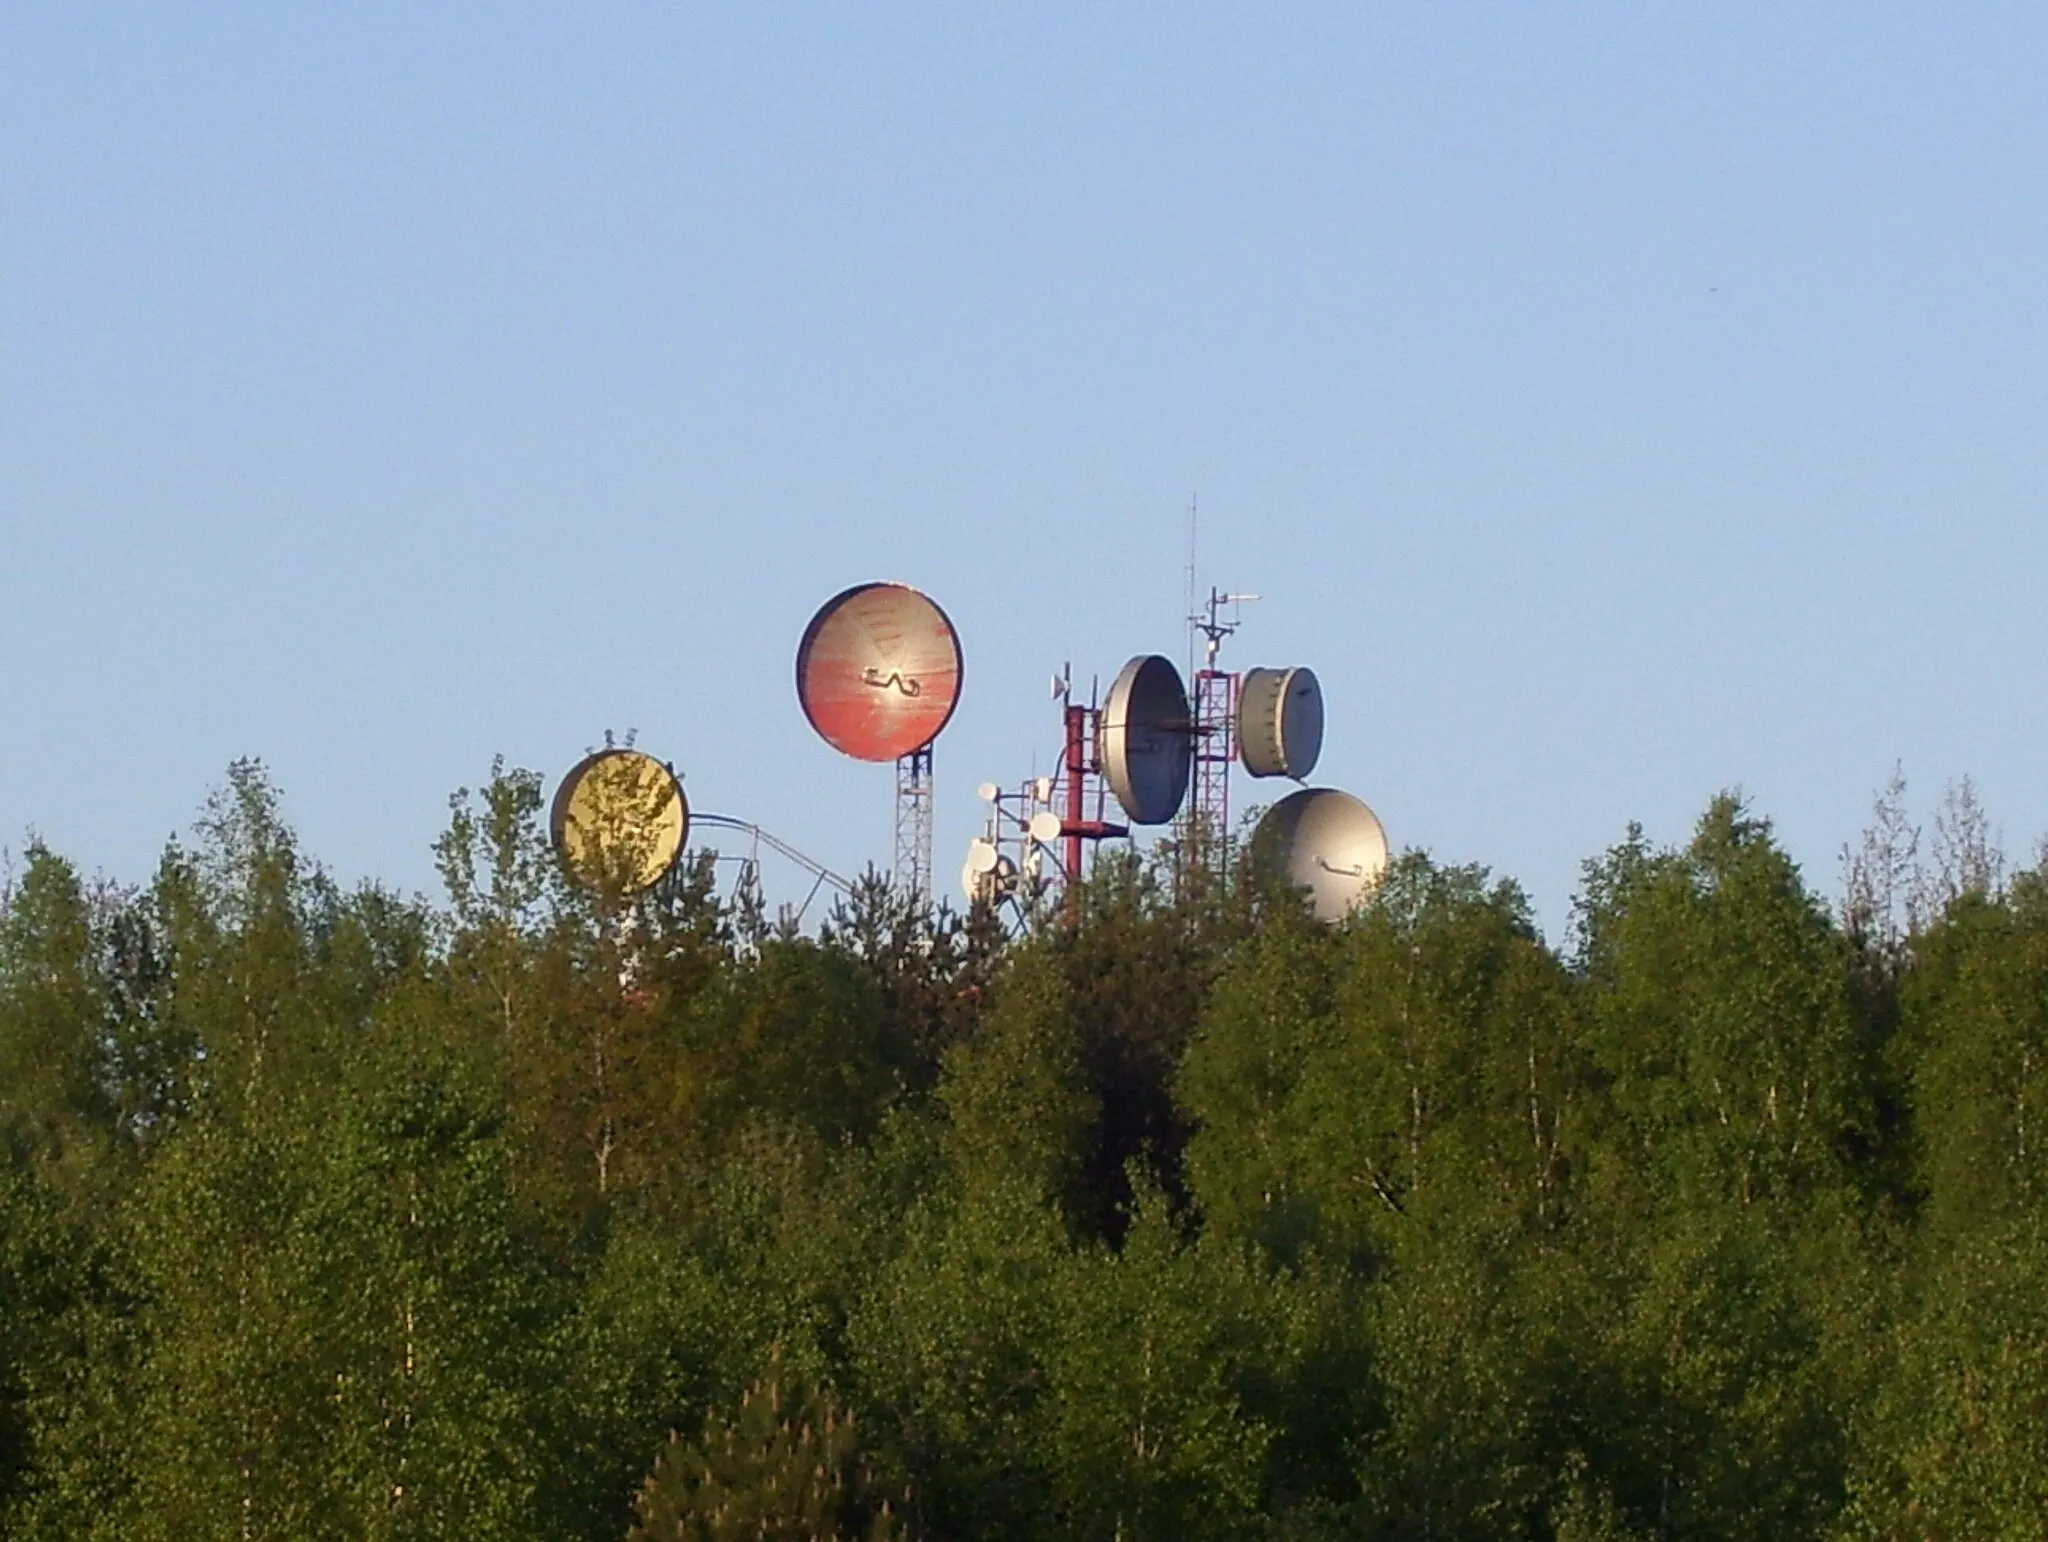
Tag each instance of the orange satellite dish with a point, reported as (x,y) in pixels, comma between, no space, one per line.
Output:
(878,671)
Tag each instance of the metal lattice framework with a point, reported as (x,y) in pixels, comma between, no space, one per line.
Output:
(914,824)
(1205,828)
(1205,820)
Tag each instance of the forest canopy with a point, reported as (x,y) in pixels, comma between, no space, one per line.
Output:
(330,1212)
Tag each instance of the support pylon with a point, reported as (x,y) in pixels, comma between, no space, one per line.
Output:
(914,824)
(1206,822)
(1205,818)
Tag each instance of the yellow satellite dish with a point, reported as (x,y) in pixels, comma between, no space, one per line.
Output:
(619,821)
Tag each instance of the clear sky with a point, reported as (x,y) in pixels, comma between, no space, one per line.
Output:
(1613,403)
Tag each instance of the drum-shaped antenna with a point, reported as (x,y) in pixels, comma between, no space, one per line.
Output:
(1280,722)
(619,821)
(878,671)
(1326,842)
(1147,739)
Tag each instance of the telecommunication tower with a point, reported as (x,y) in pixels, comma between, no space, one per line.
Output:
(1049,819)
(1166,754)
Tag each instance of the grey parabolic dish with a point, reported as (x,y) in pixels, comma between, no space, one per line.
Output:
(1146,742)
(1326,842)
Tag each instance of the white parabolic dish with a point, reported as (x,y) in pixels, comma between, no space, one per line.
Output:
(1147,743)
(987,885)
(1326,842)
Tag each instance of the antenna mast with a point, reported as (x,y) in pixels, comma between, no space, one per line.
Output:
(1205,826)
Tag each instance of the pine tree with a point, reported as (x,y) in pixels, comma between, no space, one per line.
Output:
(787,1467)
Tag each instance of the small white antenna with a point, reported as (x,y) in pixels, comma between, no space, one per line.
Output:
(1213,626)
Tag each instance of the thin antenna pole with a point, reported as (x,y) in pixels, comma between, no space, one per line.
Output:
(1190,613)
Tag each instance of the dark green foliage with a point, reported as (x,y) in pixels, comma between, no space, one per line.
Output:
(325,1213)
(1137,971)
(1721,1017)
(41,1270)
(1958,1442)
(1149,1436)
(951,1341)
(55,1106)
(1018,1106)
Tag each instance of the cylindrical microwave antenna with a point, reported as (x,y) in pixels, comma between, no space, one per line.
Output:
(878,671)
(1280,722)
(619,821)
(1326,842)
(1147,739)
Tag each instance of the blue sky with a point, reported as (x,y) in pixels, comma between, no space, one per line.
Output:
(1612,403)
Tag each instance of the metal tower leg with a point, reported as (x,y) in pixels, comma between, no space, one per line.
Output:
(1205,825)
(914,824)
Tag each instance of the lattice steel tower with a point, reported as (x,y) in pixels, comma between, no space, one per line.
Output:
(914,824)
(1205,822)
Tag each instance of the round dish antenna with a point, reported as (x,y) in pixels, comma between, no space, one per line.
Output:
(1326,842)
(619,820)
(1280,722)
(1044,827)
(986,885)
(1147,739)
(878,671)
